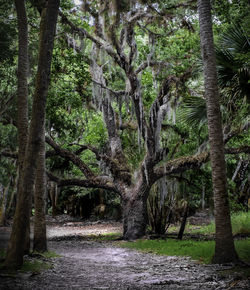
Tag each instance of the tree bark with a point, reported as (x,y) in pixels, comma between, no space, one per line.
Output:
(22,93)
(15,252)
(134,207)
(3,206)
(183,222)
(224,245)
(40,239)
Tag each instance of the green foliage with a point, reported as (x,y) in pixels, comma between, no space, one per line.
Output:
(194,111)
(7,30)
(232,53)
(201,251)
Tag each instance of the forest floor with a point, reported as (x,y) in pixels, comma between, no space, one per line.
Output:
(89,263)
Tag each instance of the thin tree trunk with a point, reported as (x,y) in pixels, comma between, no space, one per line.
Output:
(15,252)
(40,240)
(224,245)
(11,200)
(3,206)
(183,222)
(22,123)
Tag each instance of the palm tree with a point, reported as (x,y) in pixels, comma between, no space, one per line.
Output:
(16,246)
(224,245)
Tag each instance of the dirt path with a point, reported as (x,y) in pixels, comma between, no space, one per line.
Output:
(86,264)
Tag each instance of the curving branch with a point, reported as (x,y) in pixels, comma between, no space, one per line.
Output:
(243,149)
(103,182)
(236,132)
(116,93)
(97,40)
(181,164)
(13,155)
(192,162)
(76,160)
(151,63)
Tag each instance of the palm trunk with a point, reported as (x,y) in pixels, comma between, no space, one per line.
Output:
(15,252)
(224,245)
(22,97)
(40,240)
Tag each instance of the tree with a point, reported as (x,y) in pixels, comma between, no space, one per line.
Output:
(14,257)
(224,245)
(118,69)
(40,239)
(22,122)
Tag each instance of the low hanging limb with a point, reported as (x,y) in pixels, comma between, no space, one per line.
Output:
(76,160)
(103,182)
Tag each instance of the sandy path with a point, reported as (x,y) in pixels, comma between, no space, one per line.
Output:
(86,264)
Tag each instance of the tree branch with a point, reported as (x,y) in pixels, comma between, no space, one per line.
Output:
(72,157)
(116,93)
(243,149)
(192,162)
(151,63)
(236,132)
(98,41)
(9,154)
(103,182)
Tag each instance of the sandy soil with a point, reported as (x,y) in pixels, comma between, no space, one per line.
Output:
(88,264)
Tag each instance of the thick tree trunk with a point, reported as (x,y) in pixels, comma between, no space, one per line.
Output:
(40,240)
(224,245)
(15,252)
(135,218)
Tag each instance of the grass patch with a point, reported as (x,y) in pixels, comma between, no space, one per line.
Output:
(240,225)
(198,250)
(105,237)
(35,266)
(35,262)
(46,255)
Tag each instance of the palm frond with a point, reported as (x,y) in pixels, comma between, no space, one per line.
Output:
(193,111)
(235,39)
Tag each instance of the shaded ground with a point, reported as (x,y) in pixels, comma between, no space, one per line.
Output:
(88,264)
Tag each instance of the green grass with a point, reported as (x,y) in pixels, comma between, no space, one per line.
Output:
(47,255)
(240,225)
(35,266)
(36,263)
(105,237)
(198,250)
